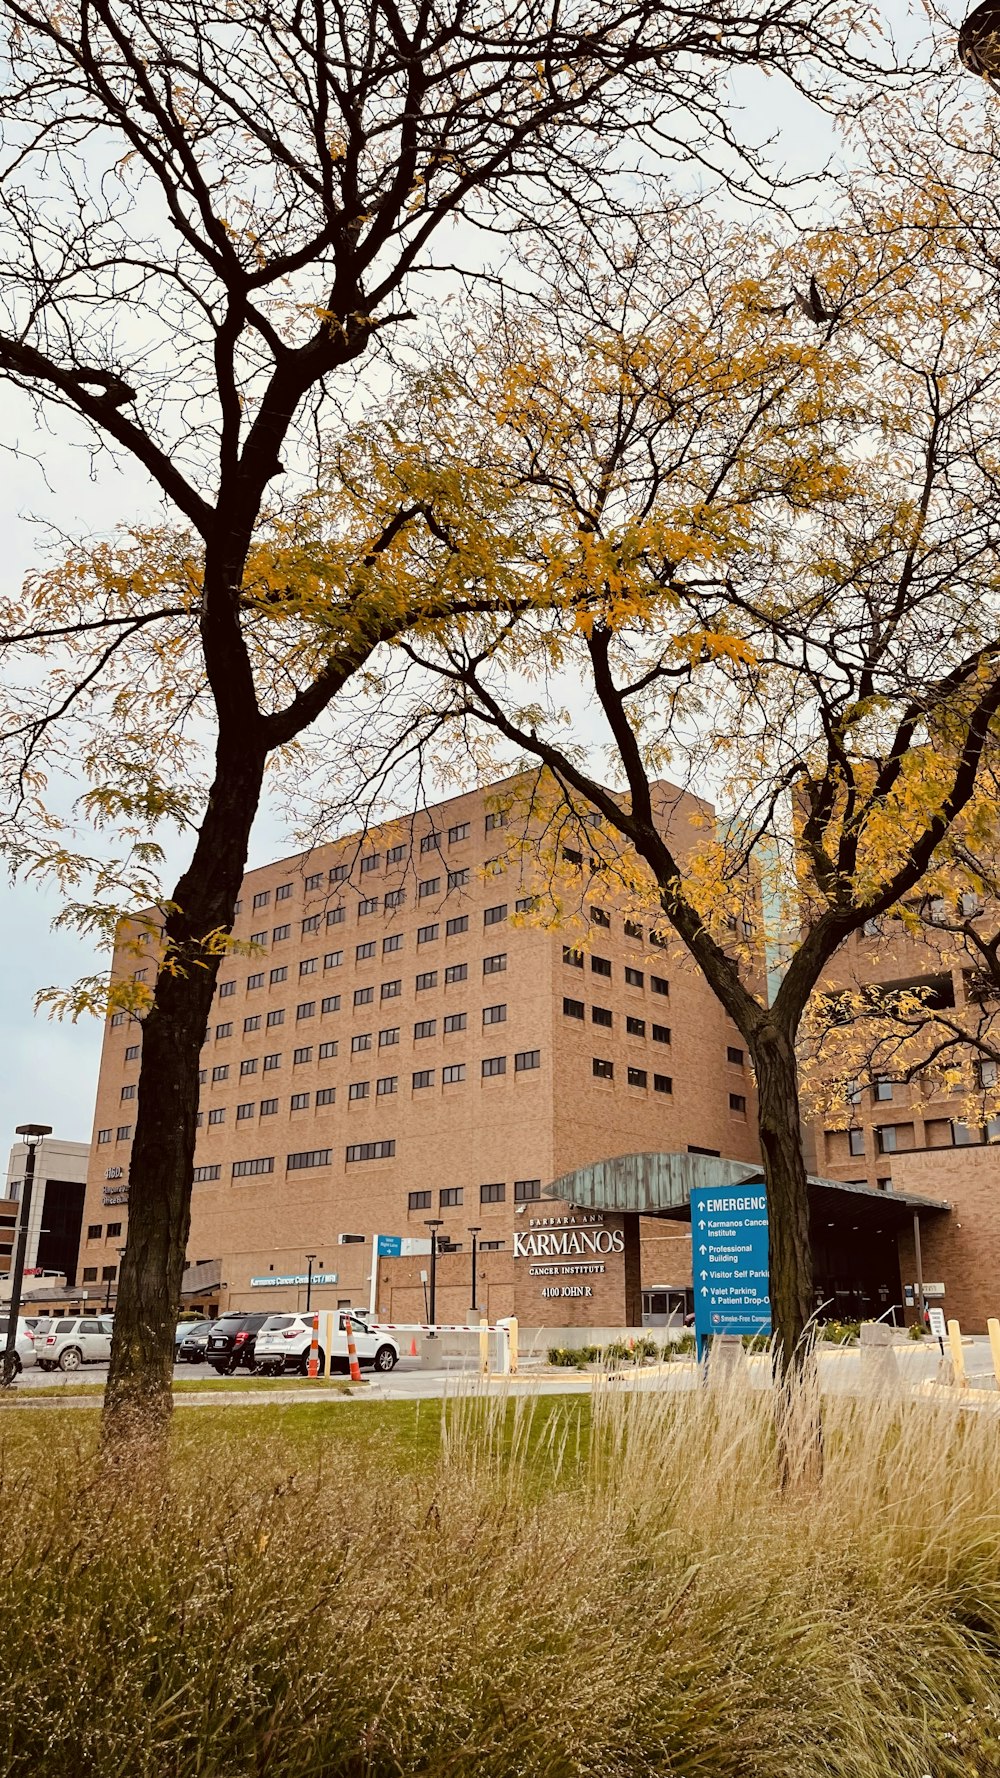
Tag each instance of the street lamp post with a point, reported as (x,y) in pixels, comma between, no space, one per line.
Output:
(433,1224)
(309,1281)
(32,1134)
(474,1232)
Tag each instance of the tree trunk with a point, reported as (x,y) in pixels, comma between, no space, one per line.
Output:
(787,1193)
(138,1396)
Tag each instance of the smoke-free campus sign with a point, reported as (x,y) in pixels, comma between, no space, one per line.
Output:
(729,1248)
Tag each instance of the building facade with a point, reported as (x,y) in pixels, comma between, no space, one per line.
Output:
(407,1044)
(56,1221)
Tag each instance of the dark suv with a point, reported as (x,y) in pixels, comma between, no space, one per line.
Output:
(231,1341)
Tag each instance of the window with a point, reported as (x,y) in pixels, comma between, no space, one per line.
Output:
(602,1015)
(114,1231)
(304,1054)
(118,1018)
(362,952)
(313,882)
(326,1096)
(600,966)
(123,1133)
(456,1021)
(262,898)
(258,938)
(527,1190)
(662,1083)
(429,886)
(225,1030)
(264,1164)
(310,1157)
(333,959)
(279,933)
(456,972)
(200,1174)
(368,906)
(526,1060)
(252,1023)
(599,917)
(393,943)
(637,1077)
(244,1111)
(494,1193)
(459,924)
(271,1062)
(659,939)
(220,1071)
(526,904)
(457,879)
(339,873)
(493,916)
(248,1065)
(491,1246)
(268,1107)
(425,1028)
(275,1018)
(202,1076)
(256,980)
(494,1065)
(495,820)
(364,996)
(430,842)
(336,916)
(495,1015)
(734,1055)
(309,966)
(217,1115)
(883,1089)
(572,1009)
(856,1141)
(419,1201)
(327,1050)
(388,1084)
(90,1274)
(395,855)
(372,1151)
(658,985)
(104,1135)
(570,856)
(394,898)
(635,1027)
(661,1033)
(425,934)
(454,1072)
(633,930)
(634,978)
(363,1041)
(238,906)
(737,1103)
(603,1070)
(372,861)
(391,990)
(330,1003)
(225,989)
(496,964)
(129,1092)
(95,1231)
(429,979)
(886,1139)
(279,975)
(388,1037)
(358,1089)
(450,1197)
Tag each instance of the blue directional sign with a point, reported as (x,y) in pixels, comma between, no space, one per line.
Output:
(388,1246)
(729,1248)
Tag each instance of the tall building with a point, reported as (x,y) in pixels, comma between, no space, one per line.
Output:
(55,1223)
(408,1043)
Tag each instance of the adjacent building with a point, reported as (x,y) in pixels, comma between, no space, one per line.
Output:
(56,1218)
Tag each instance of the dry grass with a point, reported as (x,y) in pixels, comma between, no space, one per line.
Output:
(611,1590)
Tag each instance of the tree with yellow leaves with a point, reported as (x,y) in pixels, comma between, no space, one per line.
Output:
(765,560)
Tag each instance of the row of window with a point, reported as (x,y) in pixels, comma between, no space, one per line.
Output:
(600,917)
(602,1015)
(450,1197)
(301,1161)
(454,972)
(95,1230)
(372,861)
(634,978)
(636,1077)
(525,1061)
(395,899)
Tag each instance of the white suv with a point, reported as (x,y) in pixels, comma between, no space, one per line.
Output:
(72,1341)
(24,1344)
(284,1343)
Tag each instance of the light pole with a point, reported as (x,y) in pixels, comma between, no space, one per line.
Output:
(114,1281)
(32,1134)
(433,1224)
(309,1281)
(474,1232)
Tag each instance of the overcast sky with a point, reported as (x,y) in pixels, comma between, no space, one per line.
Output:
(49,1069)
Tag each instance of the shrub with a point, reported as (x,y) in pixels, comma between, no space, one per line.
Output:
(840,1333)
(914,1331)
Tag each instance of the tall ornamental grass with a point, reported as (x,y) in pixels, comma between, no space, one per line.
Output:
(606,1592)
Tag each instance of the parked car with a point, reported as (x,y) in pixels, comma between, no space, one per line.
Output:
(284,1343)
(24,1345)
(193,1341)
(231,1341)
(72,1341)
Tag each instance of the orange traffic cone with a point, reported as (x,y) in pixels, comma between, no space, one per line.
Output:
(352,1351)
(413,1346)
(313,1366)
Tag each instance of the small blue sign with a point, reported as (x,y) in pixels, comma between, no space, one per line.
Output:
(730,1253)
(388,1246)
